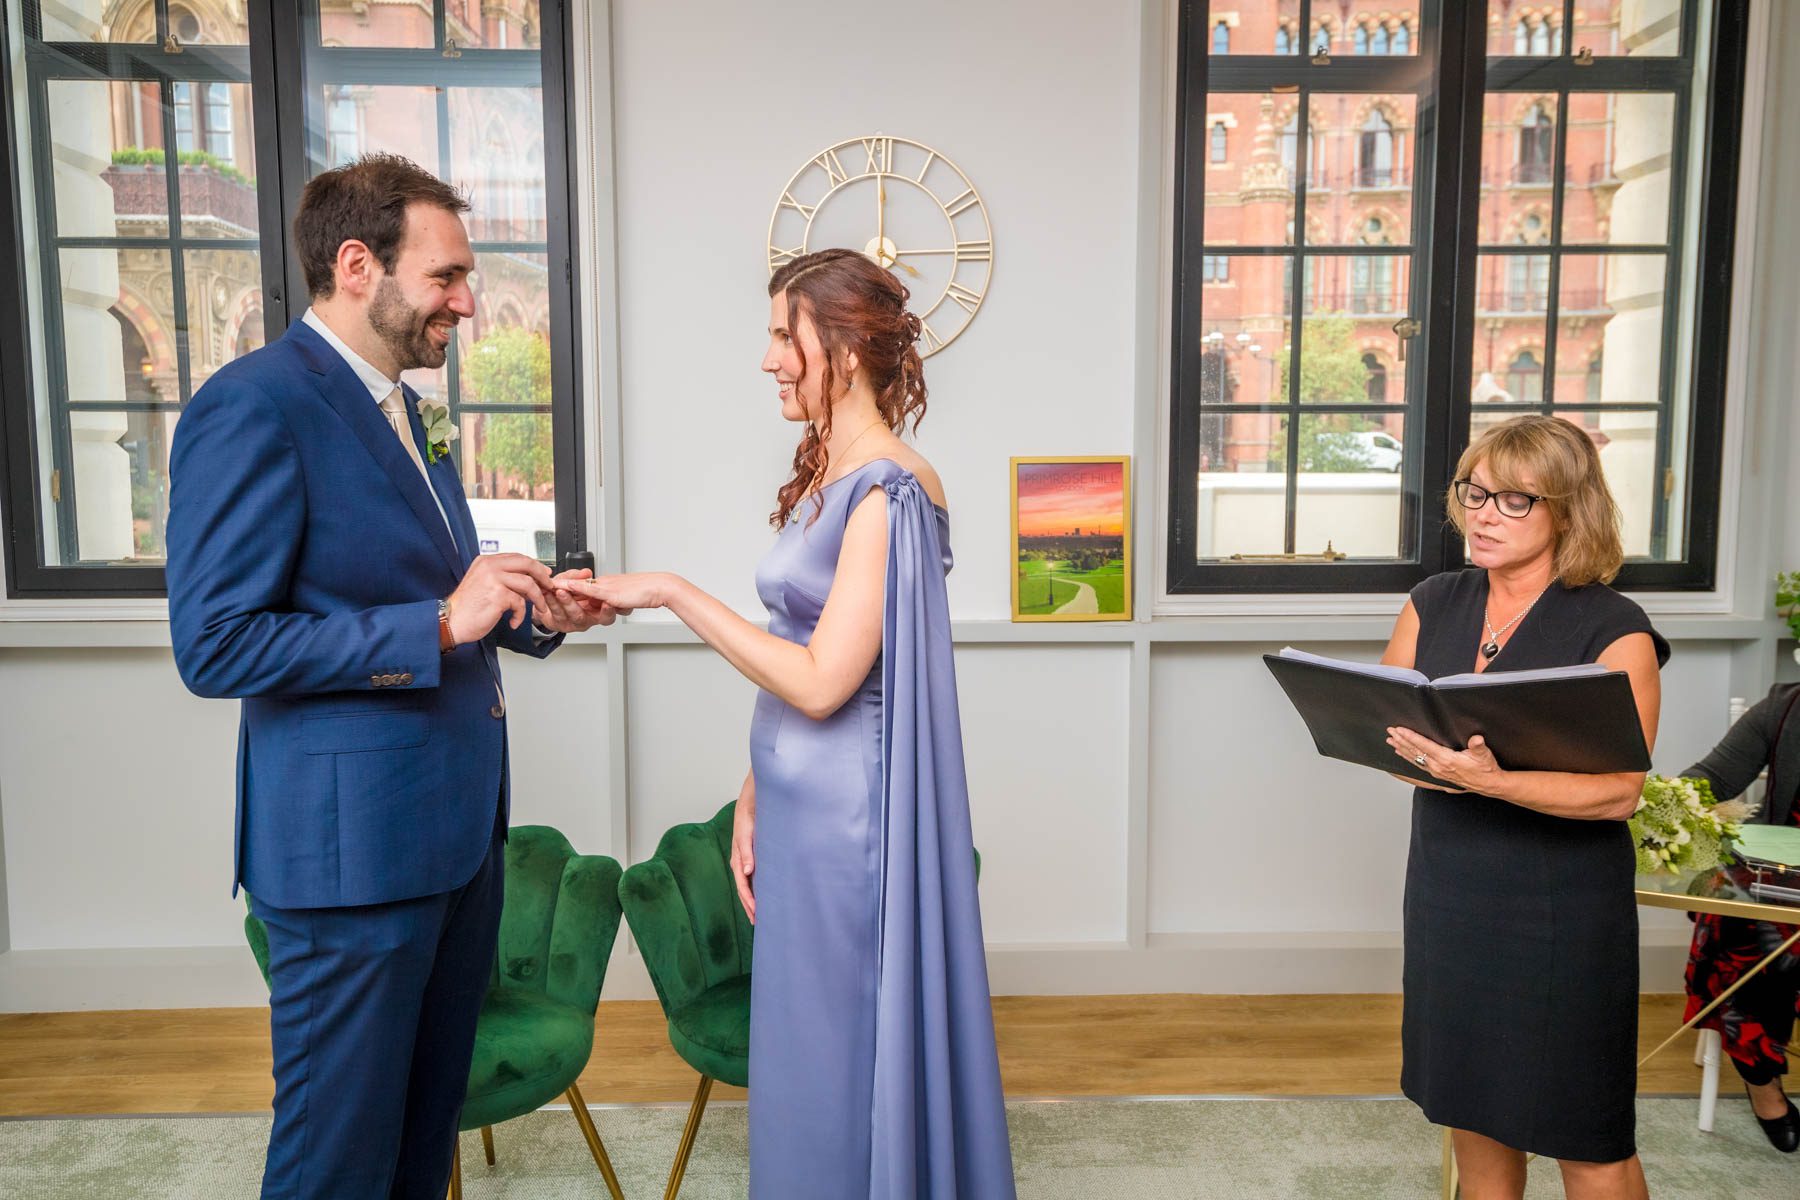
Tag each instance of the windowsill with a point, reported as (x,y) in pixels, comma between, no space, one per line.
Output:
(1698,605)
(85,611)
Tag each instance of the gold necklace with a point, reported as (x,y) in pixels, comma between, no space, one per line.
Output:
(844,453)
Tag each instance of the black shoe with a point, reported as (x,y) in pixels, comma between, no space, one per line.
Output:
(1783,1132)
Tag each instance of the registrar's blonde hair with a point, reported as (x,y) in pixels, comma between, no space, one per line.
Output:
(1549,457)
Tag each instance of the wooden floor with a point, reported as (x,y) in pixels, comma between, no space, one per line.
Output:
(217,1060)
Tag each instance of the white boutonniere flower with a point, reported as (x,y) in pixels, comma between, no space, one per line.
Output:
(440,431)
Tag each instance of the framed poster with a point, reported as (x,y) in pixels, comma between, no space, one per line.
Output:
(1071,535)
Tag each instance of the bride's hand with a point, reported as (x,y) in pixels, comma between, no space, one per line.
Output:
(647,589)
(743,855)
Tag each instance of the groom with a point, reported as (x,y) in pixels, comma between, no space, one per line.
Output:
(323,568)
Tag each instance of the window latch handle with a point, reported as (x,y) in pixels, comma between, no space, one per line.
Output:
(1404,328)
(1329,554)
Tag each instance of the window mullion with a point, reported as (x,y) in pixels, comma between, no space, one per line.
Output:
(1672,309)
(177,265)
(56,369)
(1296,315)
(1449,324)
(1184,418)
(269,113)
(452,360)
(560,159)
(1553,286)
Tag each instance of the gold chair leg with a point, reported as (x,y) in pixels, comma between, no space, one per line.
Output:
(578,1106)
(487,1142)
(1449,1167)
(687,1137)
(456,1170)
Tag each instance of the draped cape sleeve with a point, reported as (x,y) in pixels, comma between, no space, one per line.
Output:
(939,1118)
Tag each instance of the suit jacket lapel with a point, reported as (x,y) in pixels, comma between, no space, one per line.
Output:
(447,483)
(341,388)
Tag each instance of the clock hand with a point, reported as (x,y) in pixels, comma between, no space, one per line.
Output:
(880,218)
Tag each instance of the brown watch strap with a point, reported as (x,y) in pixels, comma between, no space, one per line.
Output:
(446,641)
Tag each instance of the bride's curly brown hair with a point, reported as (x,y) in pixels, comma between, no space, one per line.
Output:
(855,306)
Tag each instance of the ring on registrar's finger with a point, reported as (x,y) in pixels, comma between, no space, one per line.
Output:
(1419,758)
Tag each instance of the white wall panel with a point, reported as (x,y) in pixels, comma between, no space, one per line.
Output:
(1044,736)
(1249,828)
(556,722)
(689,733)
(119,802)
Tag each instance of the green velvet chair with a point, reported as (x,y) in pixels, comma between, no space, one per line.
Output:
(536,1031)
(682,906)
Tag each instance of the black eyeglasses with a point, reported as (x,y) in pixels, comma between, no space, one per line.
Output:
(1472,495)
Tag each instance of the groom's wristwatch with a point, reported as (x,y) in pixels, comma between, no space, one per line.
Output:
(446,640)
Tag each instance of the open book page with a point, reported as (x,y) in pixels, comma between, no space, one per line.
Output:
(1485,678)
(1374,670)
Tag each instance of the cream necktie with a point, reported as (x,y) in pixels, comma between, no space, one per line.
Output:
(394,408)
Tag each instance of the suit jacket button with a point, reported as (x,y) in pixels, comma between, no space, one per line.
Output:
(406,679)
(497,711)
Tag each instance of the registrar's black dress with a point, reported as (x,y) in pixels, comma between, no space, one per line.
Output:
(1521,970)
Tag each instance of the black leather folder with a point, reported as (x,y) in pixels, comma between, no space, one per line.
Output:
(1580,719)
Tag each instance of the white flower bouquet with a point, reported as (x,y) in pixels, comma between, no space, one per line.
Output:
(1679,827)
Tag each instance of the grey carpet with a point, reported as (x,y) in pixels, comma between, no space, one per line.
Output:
(1065,1150)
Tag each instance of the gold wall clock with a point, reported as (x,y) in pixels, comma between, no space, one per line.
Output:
(907,207)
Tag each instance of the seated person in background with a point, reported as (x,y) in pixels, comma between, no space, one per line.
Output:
(1757,1021)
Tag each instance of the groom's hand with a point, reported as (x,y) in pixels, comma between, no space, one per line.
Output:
(495,586)
(565,612)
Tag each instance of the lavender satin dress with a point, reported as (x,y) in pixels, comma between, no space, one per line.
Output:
(872,1064)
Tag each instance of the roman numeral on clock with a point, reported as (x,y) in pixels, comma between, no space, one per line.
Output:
(969,300)
(957,204)
(880,153)
(833,166)
(805,210)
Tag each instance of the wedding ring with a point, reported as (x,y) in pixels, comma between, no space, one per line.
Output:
(1419,758)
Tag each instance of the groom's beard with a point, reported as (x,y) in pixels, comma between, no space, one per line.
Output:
(403,329)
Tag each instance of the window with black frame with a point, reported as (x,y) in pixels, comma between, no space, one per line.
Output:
(1434,221)
(124,311)
(1588,209)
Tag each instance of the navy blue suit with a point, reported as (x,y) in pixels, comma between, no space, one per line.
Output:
(306,560)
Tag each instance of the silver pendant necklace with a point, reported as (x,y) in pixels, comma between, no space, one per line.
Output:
(1490,649)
